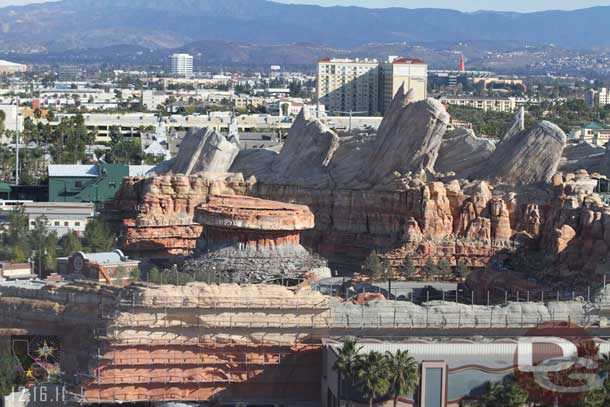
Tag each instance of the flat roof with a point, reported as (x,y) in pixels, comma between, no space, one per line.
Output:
(73,170)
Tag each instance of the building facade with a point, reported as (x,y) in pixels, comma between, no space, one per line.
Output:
(593,133)
(396,72)
(16,271)
(61,218)
(451,373)
(597,98)
(508,105)
(89,183)
(182,65)
(110,268)
(368,86)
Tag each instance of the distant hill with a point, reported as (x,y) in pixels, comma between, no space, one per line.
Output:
(164,24)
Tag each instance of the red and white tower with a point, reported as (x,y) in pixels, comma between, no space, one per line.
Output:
(462,64)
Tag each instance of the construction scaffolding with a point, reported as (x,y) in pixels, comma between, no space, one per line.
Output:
(156,346)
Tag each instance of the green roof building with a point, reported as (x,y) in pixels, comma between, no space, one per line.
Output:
(90,183)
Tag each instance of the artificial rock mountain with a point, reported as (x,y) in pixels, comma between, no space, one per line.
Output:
(393,191)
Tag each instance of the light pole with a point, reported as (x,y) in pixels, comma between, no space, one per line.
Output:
(17,142)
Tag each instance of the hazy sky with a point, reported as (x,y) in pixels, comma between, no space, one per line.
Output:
(466,5)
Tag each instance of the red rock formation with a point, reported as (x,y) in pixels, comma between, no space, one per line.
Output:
(157,213)
(252,223)
(467,222)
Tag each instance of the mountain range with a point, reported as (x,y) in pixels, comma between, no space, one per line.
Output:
(158,24)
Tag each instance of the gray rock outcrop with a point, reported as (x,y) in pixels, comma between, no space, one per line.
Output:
(308,150)
(204,150)
(527,157)
(582,156)
(408,138)
(463,153)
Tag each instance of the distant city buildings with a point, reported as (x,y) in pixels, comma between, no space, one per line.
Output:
(597,98)
(182,65)
(61,218)
(68,73)
(484,103)
(368,86)
(593,133)
(7,67)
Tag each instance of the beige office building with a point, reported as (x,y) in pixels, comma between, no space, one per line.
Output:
(487,104)
(367,85)
(597,98)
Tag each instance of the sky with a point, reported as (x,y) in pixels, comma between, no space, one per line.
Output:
(464,5)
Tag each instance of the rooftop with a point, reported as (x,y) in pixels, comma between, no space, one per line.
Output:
(77,170)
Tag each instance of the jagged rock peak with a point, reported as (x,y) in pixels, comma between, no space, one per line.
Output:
(526,157)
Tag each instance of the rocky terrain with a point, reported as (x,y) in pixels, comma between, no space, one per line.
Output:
(249,239)
(406,190)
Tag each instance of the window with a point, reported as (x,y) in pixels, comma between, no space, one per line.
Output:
(66,223)
(32,223)
(78,184)
(56,223)
(76,223)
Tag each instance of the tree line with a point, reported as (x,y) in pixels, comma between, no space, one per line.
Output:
(380,269)
(36,243)
(380,377)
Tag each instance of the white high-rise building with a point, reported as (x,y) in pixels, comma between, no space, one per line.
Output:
(367,85)
(182,65)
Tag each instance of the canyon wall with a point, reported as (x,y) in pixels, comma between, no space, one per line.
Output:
(460,221)
(155,214)
(389,192)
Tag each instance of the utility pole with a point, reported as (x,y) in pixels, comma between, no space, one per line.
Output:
(17,143)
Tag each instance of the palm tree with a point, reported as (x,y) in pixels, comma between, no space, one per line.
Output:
(372,373)
(404,373)
(346,363)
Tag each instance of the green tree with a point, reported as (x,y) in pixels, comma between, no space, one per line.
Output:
(443,268)
(70,244)
(507,394)
(136,274)
(387,272)
(15,245)
(407,270)
(8,369)
(373,266)
(430,269)
(373,375)
(461,271)
(2,119)
(115,135)
(98,237)
(126,152)
(346,365)
(43,243)
(154,276)
(604,363)
(404,374)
